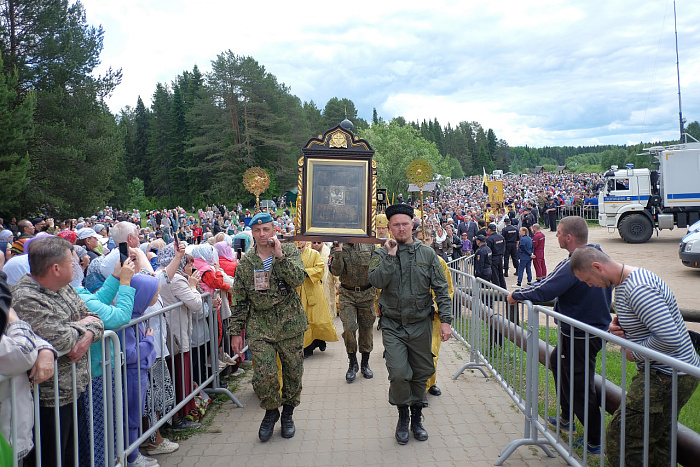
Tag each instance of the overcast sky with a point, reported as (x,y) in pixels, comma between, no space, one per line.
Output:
(569,72)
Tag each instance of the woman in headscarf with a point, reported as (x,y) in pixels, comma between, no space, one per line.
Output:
(180,288)
(140,354)
(228,263)
(227,260)
(213,278)
(117,285)
(321,328)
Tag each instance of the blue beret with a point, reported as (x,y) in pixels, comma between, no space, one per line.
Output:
(260,218)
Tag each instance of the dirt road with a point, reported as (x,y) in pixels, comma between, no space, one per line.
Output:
(659,255)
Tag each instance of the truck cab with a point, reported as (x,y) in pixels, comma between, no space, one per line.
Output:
(623,203)
(635,201)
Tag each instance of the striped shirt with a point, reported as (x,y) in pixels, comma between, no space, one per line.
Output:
(267,263)
(649,315)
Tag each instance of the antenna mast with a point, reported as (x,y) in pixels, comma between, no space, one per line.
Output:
(678,73)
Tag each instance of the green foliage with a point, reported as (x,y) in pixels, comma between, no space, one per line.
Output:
(16,130)
(76,146)
(693,130)
(396,147)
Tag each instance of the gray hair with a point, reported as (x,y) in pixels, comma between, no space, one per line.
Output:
(121,231)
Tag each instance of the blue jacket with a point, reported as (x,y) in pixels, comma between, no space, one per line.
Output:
(113,317)
(525,248)
(574,298)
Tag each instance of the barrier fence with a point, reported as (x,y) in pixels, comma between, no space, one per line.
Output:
(95,427)
(499,337)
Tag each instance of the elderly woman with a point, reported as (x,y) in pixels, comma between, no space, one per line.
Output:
(181,287)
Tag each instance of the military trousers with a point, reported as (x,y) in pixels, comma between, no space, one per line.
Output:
(266,383)
(357,314)
(409,359)
(660,418)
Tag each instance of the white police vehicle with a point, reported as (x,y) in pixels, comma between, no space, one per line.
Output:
(689,249)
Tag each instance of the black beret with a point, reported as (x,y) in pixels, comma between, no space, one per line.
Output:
(399,209)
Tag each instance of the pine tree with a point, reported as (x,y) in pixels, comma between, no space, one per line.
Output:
(16,130)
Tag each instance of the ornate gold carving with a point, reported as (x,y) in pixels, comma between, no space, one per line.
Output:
(256,181)
(300,187)
(420,172)
(374,197)
(338,140)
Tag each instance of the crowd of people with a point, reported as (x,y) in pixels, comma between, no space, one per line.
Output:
(71,281)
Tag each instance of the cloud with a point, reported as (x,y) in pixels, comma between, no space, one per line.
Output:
(559,72)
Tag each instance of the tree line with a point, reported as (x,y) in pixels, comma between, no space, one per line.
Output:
(63,152)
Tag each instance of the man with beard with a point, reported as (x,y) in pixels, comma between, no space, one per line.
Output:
(407,271)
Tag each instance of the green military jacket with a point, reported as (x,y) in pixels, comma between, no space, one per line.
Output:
(351,264)
(406,281)
(275,314)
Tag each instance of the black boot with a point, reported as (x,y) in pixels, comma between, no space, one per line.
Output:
(288,428)
(364,366)
(416,423)
(352,368)
(402,425)
(267,427)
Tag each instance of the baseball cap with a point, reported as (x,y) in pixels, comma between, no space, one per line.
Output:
(87,232)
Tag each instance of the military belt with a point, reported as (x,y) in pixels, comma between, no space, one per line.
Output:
(356,289)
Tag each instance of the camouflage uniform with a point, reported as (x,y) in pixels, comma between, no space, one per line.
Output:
(275,323)
(661,415)
(54,317)
(356,306)
(407,280)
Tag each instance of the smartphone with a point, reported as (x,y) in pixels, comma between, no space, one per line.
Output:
(123,252)
(177,242)
(239,252)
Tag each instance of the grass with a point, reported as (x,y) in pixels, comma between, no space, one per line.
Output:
(507,357)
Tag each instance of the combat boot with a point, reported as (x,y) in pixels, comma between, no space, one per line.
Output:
(417,424)
(352,368)
(267,427)
(288,428)
(402,425)
(364,366)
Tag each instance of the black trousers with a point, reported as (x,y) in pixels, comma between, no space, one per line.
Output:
(64,426)
(581,365)
(511,252)
(497,271)
(552,221)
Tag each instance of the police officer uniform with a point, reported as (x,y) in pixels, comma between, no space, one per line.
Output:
(497,244)
(511,235)
(482,259)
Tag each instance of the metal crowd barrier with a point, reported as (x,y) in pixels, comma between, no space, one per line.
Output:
(498,337)
(114,400)
(115,449)
(590,212)
(203,361)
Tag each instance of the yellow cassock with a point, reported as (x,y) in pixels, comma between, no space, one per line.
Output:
(314,301)
(435,347)
(329,281)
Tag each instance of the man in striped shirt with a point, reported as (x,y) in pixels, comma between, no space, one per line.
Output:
(648,315)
